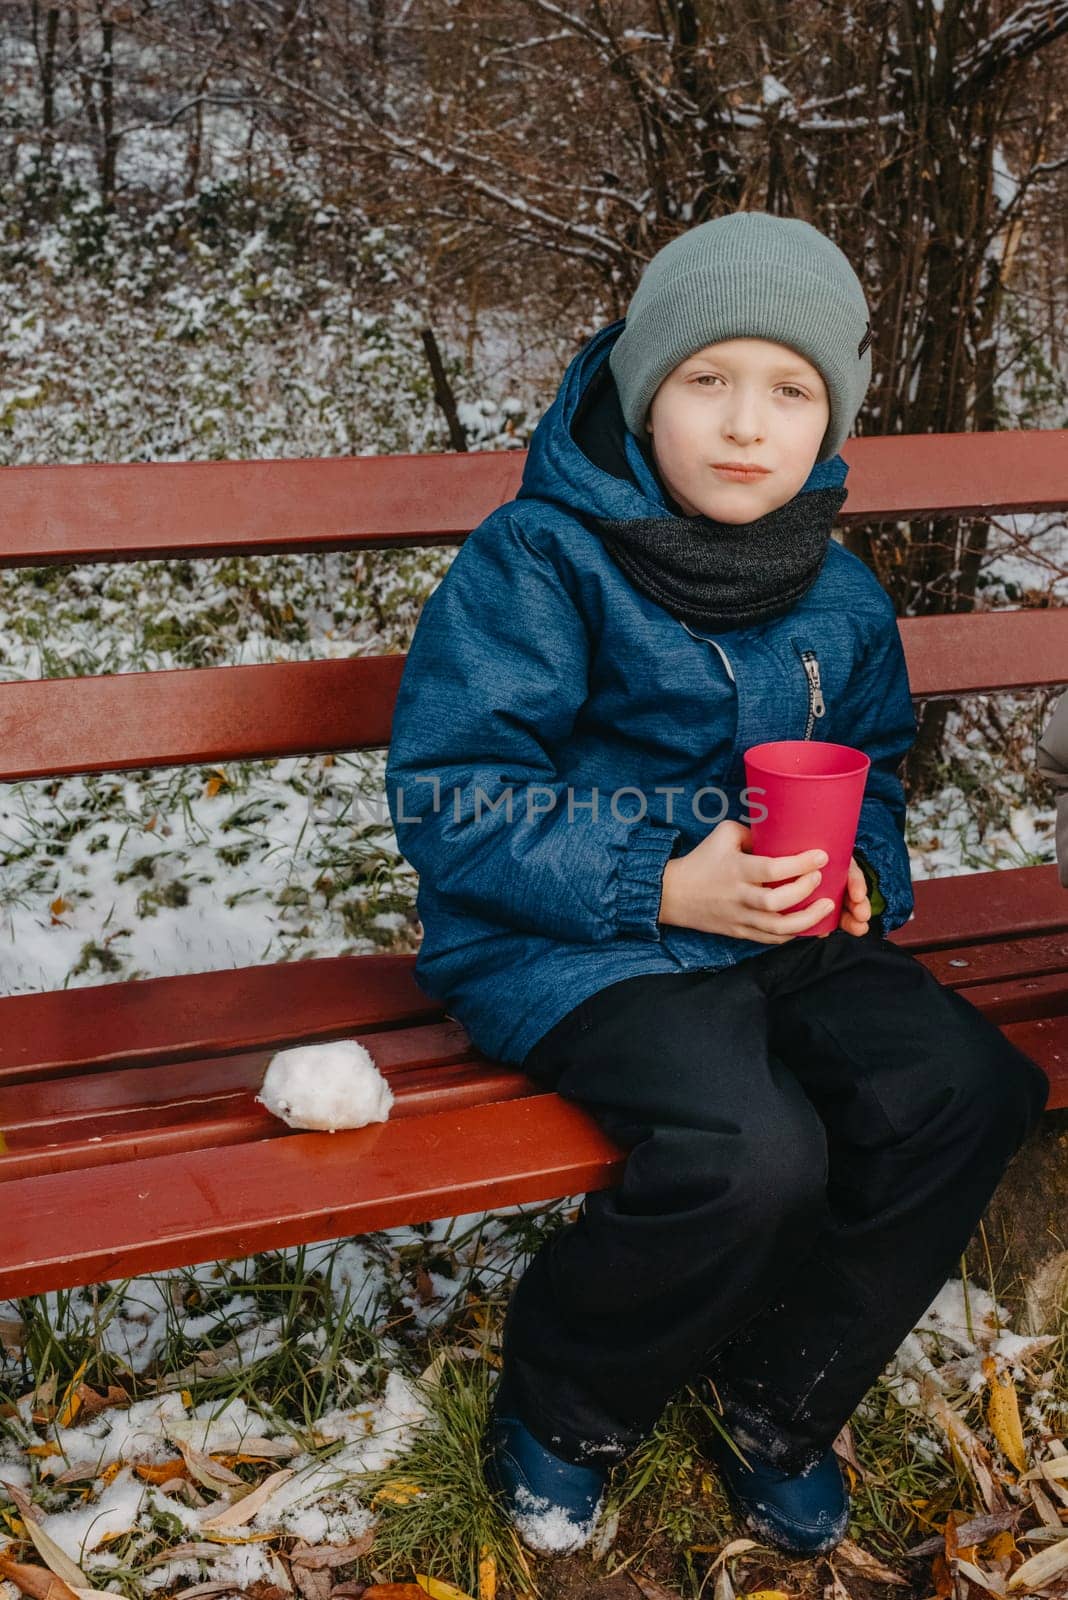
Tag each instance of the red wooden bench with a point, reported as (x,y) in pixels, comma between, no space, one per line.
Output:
(120,1103)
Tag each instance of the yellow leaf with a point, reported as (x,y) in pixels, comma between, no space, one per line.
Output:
(438,1589)
(1003,1415)
(487,1574)
(765,1594)
(217,1536)
(71,1402)
(397,1492)
(162,1471)
(49,1449)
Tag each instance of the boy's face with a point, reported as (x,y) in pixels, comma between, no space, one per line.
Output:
(742,400)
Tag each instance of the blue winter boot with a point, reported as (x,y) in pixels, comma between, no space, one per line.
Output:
(806,1513)
(553,1504)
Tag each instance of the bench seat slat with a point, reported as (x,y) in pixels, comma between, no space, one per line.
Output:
(194,1016)
(224,1118)
(172,1209)
(54,1125)
(142,510)
(83,1227)
(199,1014)
(1001,961)
(979,906)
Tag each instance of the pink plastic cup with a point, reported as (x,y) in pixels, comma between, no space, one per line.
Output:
(813,794)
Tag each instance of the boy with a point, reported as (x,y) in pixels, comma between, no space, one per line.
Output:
(812,1129)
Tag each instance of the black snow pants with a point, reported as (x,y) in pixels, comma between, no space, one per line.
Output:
(812,1136)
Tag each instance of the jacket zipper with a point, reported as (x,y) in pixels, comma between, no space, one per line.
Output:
(816,704)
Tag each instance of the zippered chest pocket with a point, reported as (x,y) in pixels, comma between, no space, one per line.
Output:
(817,707)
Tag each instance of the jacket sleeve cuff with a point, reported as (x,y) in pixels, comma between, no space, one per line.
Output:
(871,879)
(641,878)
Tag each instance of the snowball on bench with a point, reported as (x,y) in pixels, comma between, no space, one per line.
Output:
(326,1086)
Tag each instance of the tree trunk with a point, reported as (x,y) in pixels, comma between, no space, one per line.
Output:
(1026,1226)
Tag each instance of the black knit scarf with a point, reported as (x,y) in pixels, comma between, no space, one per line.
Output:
(721,575)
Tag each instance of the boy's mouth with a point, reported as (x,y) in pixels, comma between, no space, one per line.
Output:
(743,474)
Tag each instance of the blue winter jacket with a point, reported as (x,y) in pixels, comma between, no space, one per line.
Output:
(541,684)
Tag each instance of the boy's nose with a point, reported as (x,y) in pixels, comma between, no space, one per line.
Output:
(743,422)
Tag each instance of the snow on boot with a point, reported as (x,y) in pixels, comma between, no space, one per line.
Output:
(806,1513)
(553,1504)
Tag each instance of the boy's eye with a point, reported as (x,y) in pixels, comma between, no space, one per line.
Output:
(711,377)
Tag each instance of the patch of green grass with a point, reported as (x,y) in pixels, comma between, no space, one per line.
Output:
(453,1521)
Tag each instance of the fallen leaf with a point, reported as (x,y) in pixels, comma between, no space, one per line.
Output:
(79,1472)
(1003,1414)
(91,1402)
(11,1332)
(982,1580)
(438,1589)
(71,1402)
(487,1574)
(259,1450)
(397,1492)
(247,1507)
(332,1555)
(160,1471)
(1042,1503)
(210,1473)
(183,1552)
(217,1536)
(736,1547)
(50,1553)
(846,1450)
(37,1582)
(394,1591)
(971,1450)
(606,1535)
(651,1589)
(1037,1571)
(867,1565)
(312,1585)
(724,1589)
(25,1506)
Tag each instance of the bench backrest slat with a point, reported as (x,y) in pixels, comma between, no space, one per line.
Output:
(55,726)
(52,514)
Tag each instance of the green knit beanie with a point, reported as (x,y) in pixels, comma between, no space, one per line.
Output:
(748,275)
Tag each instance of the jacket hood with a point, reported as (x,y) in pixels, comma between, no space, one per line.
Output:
(583,455)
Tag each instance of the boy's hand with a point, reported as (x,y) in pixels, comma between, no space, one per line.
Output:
(720,887)
(856,906)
